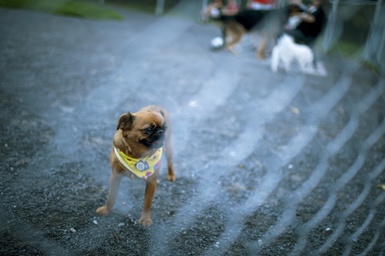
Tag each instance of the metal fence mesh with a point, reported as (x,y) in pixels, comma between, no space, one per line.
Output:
(321,179)
(267,163)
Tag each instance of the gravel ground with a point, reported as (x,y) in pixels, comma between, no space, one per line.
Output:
(266,164)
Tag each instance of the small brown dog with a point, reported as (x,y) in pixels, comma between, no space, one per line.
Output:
(136,151)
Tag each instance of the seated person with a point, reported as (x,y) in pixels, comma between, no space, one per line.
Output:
(231,8)
(261,4)
(213,10)
(311,23)
(294,11)
(217,9)
(219,12)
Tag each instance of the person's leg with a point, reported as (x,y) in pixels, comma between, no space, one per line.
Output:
(298,36)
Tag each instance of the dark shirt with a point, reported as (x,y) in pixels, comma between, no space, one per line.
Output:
(313,29)
(249,18)
(256,19)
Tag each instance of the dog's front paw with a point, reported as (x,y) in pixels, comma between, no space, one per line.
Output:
(145,220)
(103,210)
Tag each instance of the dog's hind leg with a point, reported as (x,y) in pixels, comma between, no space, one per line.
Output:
(314,62)
(286,64)
(168,151)
(235,31)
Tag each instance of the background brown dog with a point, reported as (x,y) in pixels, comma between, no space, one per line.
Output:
(269,23)
(140,135)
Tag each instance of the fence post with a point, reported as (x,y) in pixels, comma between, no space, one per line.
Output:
(331,27)
(375,40)
(204,4)
(159,7)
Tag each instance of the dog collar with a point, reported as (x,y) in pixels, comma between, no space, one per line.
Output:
(141,167)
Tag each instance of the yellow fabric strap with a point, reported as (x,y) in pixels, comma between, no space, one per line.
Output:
(142,167)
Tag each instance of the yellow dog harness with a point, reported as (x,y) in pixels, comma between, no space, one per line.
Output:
(141,167)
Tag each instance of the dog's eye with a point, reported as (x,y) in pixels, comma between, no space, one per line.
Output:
(148,130)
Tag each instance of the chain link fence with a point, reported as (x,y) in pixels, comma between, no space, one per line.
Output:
(267,163)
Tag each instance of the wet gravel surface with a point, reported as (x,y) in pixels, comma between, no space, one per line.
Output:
(266,164)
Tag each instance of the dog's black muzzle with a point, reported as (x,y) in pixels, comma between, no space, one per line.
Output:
(156,138)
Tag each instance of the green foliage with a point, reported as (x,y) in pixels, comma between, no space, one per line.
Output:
(348,49)
(75,8)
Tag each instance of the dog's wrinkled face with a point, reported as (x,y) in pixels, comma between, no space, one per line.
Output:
(143,128)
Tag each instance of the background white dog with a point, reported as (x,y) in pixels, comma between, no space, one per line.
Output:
(287,52)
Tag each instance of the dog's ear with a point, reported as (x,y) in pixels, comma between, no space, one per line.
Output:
(125,121)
